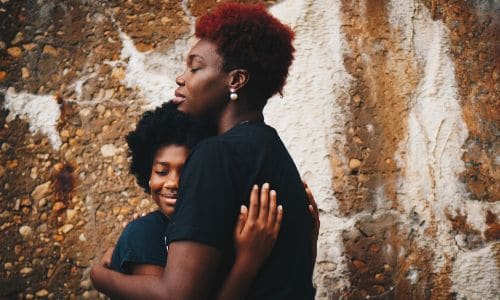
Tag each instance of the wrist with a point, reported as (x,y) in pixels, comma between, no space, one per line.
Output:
(96,275)
(246,266)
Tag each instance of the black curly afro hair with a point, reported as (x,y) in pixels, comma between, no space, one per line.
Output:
(162,126)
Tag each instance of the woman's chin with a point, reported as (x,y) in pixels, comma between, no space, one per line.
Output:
(182,107)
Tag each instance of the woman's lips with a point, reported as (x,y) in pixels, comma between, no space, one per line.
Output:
(178,99)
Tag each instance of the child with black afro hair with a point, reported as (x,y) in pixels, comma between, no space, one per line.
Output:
(164,125)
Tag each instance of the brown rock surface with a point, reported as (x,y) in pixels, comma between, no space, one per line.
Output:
(61,208)
(371,134)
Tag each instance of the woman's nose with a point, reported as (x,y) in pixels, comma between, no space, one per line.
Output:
(180,80)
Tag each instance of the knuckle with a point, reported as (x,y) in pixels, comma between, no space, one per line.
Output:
(261,226)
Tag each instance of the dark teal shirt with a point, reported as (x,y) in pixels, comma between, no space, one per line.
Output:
(143,241)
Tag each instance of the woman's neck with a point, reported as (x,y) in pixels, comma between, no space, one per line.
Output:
(230,118)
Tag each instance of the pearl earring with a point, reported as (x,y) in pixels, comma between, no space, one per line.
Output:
(149,183)
(233,96)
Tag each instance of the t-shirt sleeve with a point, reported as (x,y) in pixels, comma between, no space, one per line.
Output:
(207,204)
(139,244)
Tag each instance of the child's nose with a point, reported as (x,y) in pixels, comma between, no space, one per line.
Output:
(172,181)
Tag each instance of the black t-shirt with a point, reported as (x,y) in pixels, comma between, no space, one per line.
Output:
(142,242)
(217,179)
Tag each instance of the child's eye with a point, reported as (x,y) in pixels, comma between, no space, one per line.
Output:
(193,70)
(162,172)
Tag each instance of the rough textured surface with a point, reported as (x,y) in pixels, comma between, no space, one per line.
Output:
(390,112)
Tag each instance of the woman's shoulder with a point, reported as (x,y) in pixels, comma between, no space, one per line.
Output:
(244,133)
(240,141)
(209,146)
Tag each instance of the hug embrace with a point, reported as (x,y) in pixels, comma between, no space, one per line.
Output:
(235,220)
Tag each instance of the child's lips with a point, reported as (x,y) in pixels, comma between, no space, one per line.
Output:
(171,197)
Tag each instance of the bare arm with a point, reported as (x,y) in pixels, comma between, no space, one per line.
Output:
(189,274)
(144,269)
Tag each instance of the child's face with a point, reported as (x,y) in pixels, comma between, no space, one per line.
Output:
(165,173)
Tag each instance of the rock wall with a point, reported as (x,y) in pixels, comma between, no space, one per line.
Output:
(390,112)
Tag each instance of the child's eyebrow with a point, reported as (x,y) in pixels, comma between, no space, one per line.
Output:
(163,163)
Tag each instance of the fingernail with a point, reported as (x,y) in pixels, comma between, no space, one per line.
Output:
(265,186)
(243,209)
(255,187)
(273,192)
(280,207)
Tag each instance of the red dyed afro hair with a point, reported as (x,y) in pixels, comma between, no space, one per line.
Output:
(250,38)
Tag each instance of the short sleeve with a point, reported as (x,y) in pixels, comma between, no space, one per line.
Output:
(207,204)
(142,242)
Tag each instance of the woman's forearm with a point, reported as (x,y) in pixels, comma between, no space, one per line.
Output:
(118,285)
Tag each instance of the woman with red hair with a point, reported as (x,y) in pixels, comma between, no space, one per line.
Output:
(241,60)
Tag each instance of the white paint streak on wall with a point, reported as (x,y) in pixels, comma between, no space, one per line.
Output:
(187,11)
(78,86)
(41,111)
(311,118)
(413,275)
(153,73)
(431,157)
(476,274)
(436,129)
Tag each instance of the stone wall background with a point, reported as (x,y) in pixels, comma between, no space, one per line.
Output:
(390,112)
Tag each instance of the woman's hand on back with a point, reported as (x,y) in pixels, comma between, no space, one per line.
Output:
(255,234)
(314,211)
(258,227)
(105,260)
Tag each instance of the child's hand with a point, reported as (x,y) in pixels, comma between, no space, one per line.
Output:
(135,216)
(313,210)
(257,228)
(106,258)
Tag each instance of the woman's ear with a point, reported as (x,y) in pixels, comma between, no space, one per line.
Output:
(238,78)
